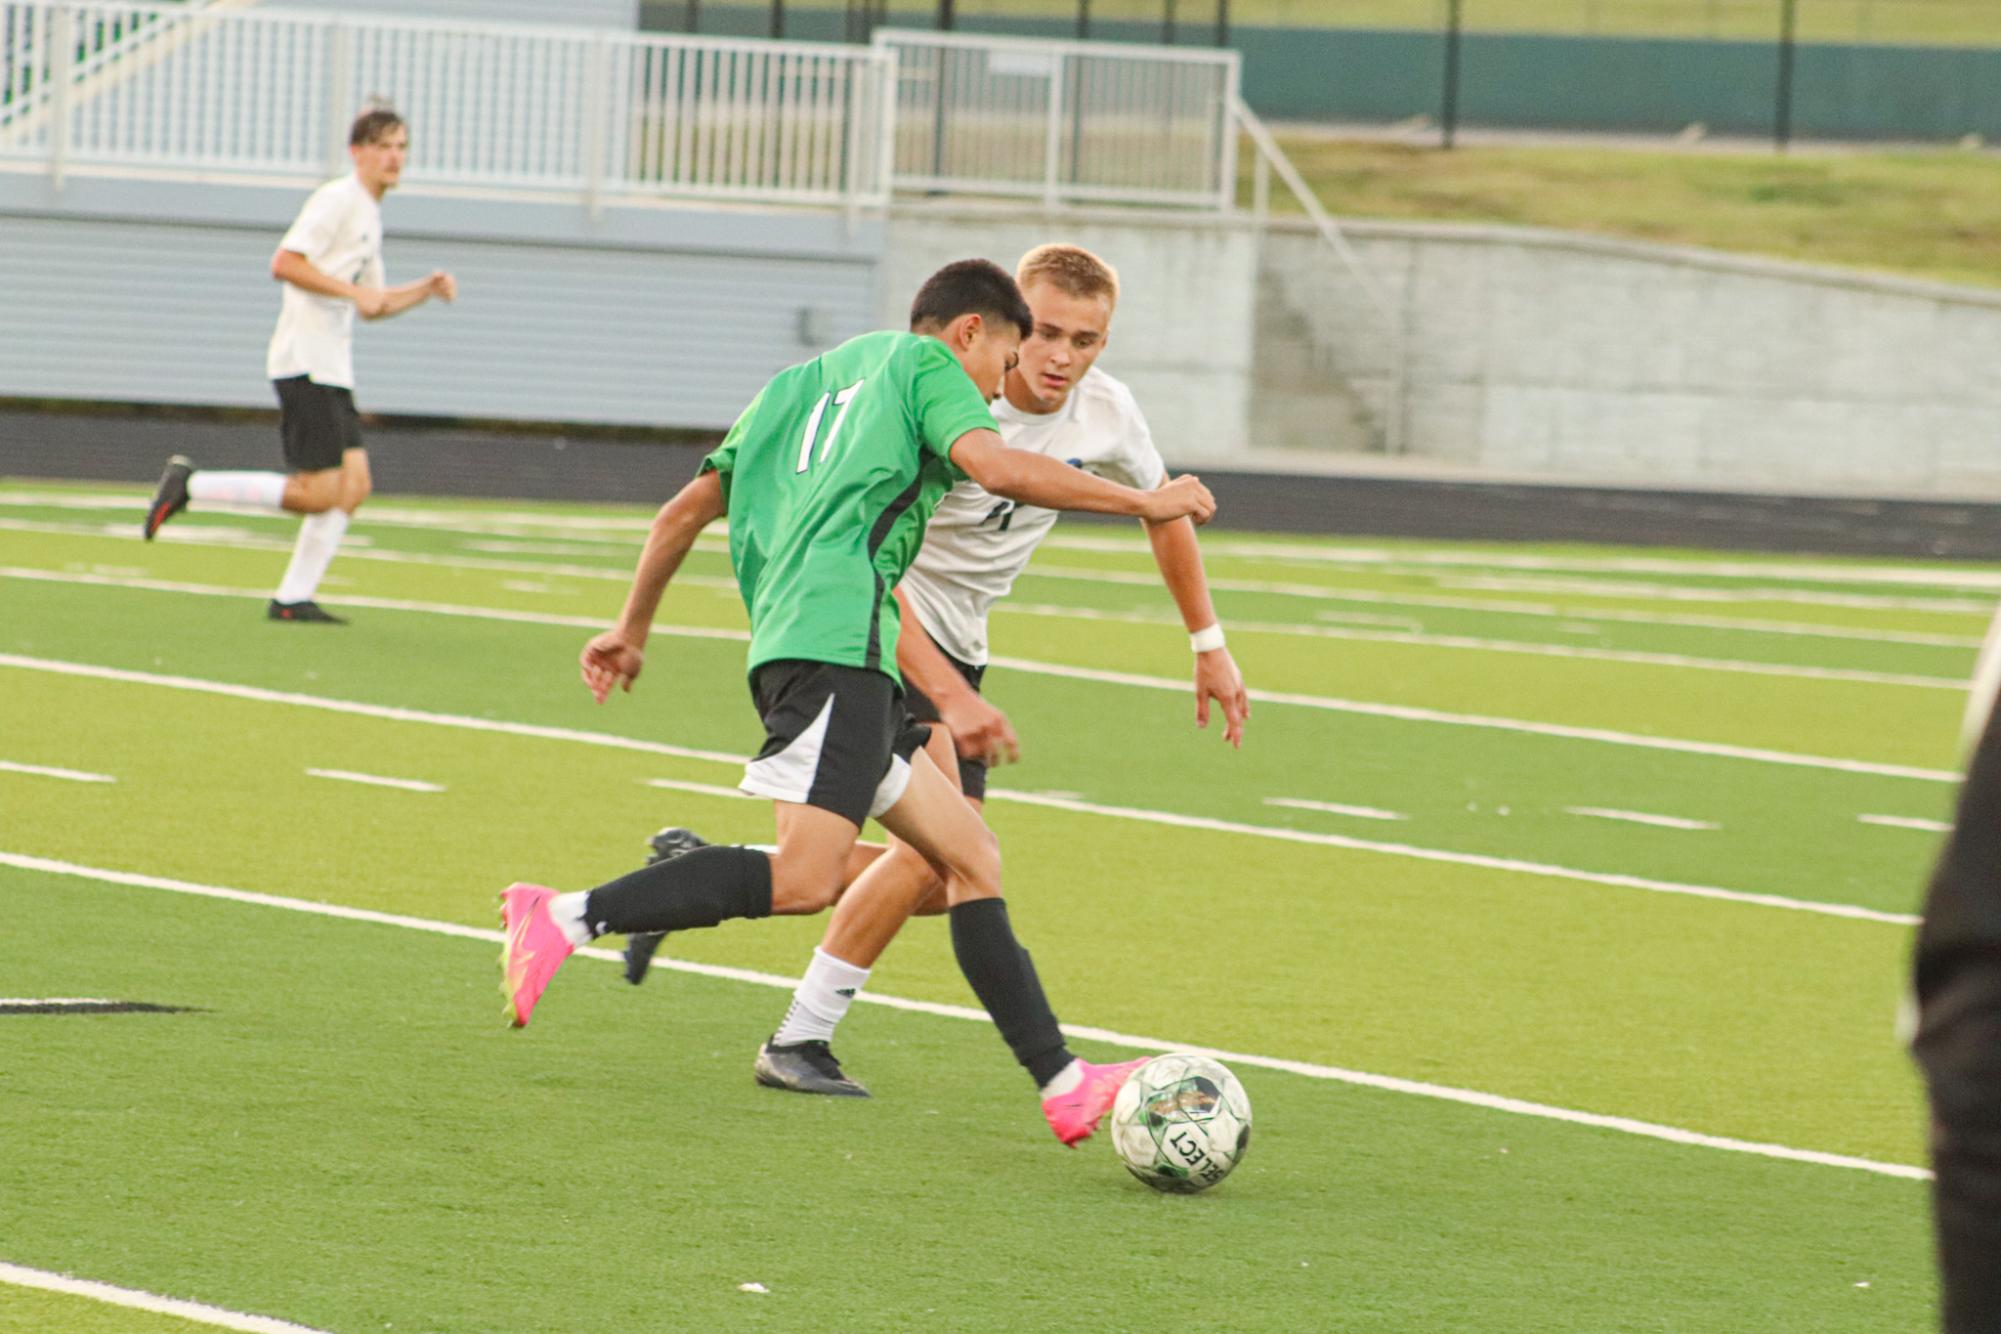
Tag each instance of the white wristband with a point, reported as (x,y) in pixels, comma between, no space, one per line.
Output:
(1204,640)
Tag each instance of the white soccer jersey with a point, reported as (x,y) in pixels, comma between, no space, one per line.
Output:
(977,543)
(339,231)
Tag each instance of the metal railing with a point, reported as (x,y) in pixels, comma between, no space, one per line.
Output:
(1063,121)
(568,111)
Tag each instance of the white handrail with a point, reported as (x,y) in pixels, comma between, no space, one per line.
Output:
(581,113)
(1272,157)
(1064,121)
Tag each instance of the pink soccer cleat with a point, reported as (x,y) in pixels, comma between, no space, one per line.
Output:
(1074,1115)
(535,948)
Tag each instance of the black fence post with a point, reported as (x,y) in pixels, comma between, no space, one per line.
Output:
(1448,115)
(1222,22)
(694,15)
(1782,117)
(947,19)
(1167,22)
(777,18)
(1083,20)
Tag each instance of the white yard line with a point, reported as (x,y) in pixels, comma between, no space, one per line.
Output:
(1691,593)
(703,789)
(378,512)
(539,732)
(190,537)
(1667,592)
(1846,910)
(1388,1083)
(481,522)
(43,771)
(1429,641)
(549,618)
(219,538)
(1402,712)
(1639,817)
(1811,571)
(500,548)
(17,1002)
(1906,822)
(1335,808)
(384,711)
(1411,713)
(374,780)
(133,1299)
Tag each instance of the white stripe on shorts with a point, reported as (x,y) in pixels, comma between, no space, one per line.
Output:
(890,790)
(788,775)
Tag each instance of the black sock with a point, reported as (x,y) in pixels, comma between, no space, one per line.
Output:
(700,888)
(1003,977)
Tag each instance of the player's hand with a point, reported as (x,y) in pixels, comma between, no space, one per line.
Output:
(1217,678)
(443,286)
(370,302)
(610,660)
(1184,497)
(980,731)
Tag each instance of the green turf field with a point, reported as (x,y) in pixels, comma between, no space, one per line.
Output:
(1555,915)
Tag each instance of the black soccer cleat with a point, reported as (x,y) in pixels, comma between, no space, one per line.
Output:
(302,611)
(171,496)
(664,846)
(671,842)
(804,1067)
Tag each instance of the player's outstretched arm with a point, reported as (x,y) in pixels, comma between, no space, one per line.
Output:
(1035,479)
(371,303)
(613,659)
(396,300)
(979,730)
(1179,557)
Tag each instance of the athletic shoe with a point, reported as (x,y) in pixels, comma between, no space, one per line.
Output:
(664,846)
(535,948)
(804,1067)
(1074,1115)
(302,611)
(171,496)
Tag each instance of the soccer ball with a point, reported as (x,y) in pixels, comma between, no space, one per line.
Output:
(1181,1123)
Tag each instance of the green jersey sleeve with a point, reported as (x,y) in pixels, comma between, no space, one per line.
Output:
(944,402)
(722,459)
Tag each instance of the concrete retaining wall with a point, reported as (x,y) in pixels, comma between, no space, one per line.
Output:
(1544,353)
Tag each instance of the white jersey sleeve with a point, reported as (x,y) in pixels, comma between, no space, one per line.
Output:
(317,227)
(1138,463)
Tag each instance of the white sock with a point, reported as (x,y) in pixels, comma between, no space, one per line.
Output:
(567,911)
(1069,1077)
(319,538)
(239,488)
(821,1000)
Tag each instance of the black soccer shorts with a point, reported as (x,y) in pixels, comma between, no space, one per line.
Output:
(318,422)
(838,738)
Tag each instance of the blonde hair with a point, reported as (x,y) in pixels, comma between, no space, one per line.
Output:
(1072,269)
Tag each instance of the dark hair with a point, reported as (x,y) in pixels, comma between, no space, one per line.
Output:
(970,287)
(372,124)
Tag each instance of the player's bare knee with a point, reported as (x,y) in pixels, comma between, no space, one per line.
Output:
(801,893)
(933,901)
(980,868)
(313,492)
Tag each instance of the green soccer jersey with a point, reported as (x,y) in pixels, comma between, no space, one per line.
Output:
(830,475)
